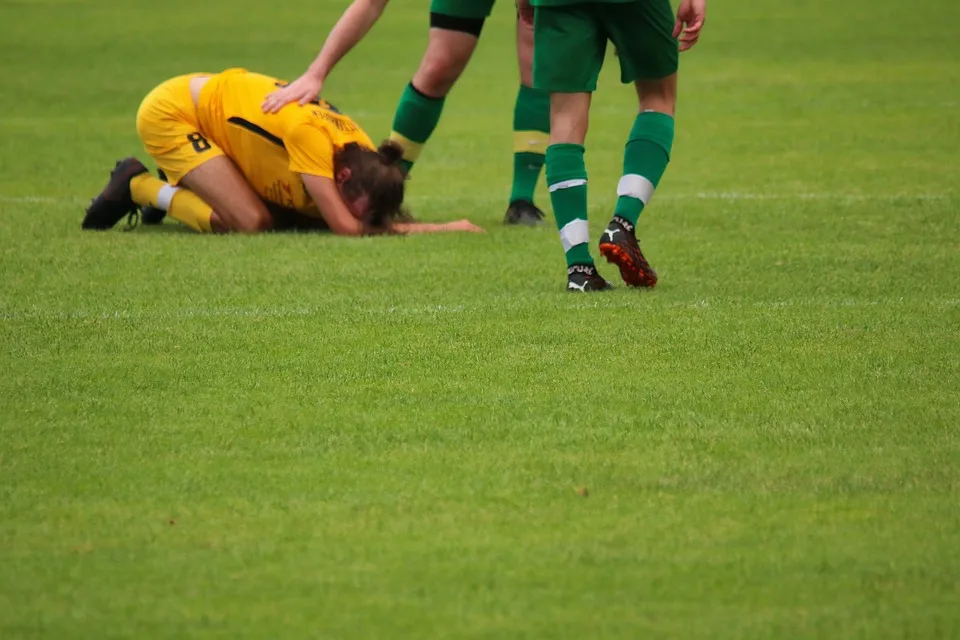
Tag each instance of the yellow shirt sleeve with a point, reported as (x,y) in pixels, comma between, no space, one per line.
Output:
(310,150)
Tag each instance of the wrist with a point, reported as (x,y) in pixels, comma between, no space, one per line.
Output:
(318,70)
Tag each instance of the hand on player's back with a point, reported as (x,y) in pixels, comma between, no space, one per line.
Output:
(302,90)
(690,17)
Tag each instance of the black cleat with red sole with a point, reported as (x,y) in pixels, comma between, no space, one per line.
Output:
(115,201)
(619,246)
(584,278)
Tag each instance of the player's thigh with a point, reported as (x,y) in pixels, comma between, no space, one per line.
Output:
(455,26)
(525,52)
(168,129)
(569,51)
(223,186)
(642,31)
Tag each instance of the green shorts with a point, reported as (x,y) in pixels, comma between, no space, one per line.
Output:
(462,8)
(571,41)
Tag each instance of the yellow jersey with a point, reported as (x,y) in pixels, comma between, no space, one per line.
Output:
(273,149)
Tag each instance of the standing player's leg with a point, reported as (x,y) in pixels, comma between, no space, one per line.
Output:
(567,60)
(531,135)
(455,27)
(649,58)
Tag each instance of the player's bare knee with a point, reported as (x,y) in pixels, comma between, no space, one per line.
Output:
(569,117)
(568,131)
(658,95)
(250,222)
(447,55)
(261,221)
(436,76)
(217,225)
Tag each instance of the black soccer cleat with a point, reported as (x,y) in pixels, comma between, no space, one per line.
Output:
(115,201)
(584,278)
(151,215)
(619,246)
(523,212)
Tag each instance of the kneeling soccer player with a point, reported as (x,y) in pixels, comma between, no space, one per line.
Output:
(571,40)
(455,27)
(226,161)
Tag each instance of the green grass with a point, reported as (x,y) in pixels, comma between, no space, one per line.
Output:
(306,436)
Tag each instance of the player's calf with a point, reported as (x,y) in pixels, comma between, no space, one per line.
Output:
(221,188)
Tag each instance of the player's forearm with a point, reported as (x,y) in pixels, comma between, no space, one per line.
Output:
(330,205)
(350,29)
(405,228)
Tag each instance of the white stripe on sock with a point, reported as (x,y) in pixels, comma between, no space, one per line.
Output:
(165,197)
(636,186)
(567,184)
(573,233)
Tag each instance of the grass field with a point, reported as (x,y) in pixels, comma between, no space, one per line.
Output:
(292,436)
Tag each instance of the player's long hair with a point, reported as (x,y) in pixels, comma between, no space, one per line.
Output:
(377,175)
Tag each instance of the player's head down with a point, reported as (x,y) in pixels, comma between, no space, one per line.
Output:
(371,182)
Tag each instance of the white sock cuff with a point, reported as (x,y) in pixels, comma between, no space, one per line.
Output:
(567,184)
(573,233)
(634,185)
(165,197)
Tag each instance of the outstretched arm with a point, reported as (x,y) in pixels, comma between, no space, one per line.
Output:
(350,29)
(336,214)
(427,227)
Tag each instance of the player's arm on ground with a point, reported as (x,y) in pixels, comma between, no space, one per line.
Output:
(336,214)
(350,29)
(404,228)
(331,206)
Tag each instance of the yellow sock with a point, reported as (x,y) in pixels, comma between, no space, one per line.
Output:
(180,204)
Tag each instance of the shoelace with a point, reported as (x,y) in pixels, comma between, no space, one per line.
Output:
(133,220)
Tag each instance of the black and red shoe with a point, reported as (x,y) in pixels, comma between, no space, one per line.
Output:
(585,278)
(115,201)
(619,246)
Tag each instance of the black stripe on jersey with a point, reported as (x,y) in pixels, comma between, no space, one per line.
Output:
(260,131)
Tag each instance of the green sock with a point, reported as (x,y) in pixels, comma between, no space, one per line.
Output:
(645,159)
(531,134)
(416,117)
(567,178)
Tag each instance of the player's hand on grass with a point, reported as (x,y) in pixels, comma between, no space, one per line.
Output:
(302,90)
(690,17)
(464,225)
(525,11)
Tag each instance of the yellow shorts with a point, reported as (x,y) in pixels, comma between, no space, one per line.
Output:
(168,126)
